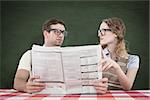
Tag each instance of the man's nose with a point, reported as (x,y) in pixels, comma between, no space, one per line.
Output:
(60,34)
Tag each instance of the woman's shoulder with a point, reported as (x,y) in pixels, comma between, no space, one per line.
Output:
(133,61)
(133,57)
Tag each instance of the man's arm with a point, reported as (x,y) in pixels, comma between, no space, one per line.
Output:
(22,82)
(21,79)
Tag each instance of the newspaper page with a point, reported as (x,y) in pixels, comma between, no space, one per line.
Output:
(67,70)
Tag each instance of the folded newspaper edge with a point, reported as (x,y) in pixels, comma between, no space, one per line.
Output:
(67,70)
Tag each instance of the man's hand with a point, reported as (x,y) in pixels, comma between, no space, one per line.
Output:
(32,87)
(101,85)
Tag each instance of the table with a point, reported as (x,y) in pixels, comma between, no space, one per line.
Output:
(11,94)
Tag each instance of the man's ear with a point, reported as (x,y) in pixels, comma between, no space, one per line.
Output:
(45,34)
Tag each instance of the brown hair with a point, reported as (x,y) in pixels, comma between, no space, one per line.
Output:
(117,26)
(47,25)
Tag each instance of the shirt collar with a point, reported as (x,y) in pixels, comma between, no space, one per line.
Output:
(106,53)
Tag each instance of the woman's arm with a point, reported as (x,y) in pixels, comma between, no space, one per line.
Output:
(126,80)
(101,86)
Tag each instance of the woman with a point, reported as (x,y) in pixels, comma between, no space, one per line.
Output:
(117,65)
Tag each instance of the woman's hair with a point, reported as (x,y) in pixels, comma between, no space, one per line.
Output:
(117,27)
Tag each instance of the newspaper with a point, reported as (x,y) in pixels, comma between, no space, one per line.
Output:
(67,70)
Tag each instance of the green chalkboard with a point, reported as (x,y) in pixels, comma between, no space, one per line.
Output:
(21,23)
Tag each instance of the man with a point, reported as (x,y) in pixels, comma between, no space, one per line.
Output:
(54,33)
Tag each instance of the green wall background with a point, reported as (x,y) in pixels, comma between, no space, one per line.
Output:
(21,27)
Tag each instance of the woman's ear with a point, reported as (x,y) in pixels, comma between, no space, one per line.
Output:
(115,36)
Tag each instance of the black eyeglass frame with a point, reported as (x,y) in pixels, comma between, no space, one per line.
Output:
(102,31)
(65,33)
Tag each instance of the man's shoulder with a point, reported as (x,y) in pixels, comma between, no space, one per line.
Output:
(25,61)
(28,52)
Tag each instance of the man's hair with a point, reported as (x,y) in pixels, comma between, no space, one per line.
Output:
(47,25)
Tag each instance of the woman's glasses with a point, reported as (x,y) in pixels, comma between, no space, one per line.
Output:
(103,31)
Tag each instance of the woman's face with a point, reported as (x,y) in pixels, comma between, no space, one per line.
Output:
(105,34)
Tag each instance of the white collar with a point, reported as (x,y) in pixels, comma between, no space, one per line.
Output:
(106,53)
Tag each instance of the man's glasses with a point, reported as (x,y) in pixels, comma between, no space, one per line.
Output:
(59,32)
(103,31)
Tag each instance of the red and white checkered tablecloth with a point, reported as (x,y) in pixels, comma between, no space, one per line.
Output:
(10,94)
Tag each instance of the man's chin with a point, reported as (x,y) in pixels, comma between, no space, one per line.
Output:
(58,44)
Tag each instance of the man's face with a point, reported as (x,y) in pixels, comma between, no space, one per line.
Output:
(55,36)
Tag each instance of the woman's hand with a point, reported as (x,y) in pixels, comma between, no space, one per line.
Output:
(32,87)
(101,85)
(109,63)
